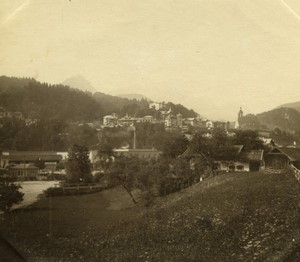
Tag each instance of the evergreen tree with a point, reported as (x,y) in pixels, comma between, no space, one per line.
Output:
(78,165)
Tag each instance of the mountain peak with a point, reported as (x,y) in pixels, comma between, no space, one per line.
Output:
(79,82)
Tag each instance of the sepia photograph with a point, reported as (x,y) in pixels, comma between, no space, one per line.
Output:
(155,130)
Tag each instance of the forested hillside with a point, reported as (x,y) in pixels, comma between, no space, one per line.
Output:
(137,108)
(59,102)
(123,106)
(285,119)
(44,101)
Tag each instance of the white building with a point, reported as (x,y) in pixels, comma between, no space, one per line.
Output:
(156,106)
(110,120)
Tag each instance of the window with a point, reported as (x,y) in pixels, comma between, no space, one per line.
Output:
(240,167)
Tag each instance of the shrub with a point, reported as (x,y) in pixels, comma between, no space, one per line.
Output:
(9,195)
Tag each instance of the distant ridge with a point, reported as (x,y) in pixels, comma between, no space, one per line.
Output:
(294,105)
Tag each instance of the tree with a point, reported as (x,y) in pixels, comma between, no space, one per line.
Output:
(174,146)
(124,172)
(78,165)
(249,139)
(105,155)
(250,121)
(9,194)
(40,164)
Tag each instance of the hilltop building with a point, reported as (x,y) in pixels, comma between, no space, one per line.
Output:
(156,106)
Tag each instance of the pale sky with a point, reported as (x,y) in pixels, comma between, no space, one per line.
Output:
(210,55)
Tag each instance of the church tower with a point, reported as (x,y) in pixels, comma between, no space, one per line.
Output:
(240,116)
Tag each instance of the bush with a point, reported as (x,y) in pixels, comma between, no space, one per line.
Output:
(9,195)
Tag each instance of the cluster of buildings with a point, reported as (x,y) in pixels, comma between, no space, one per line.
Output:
(22,163)
(113,120)
(168,118)
(6,114)
(275,159)
(9,114)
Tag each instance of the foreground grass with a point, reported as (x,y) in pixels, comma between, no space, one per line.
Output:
(232,217)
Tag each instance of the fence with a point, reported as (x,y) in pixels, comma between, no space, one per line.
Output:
(296,172)
(74,190)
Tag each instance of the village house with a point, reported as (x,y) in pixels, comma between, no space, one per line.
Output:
(23,171)
(110,120)
(147,119)
(239,159)
(283,157)
(127,120)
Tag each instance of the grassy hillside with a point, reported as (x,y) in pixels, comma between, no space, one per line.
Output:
(232,217)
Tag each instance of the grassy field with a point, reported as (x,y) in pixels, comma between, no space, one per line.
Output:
(231,217)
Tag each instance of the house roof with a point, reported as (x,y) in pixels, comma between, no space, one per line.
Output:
(297,165)
(292,153)
(236,150)
(190,153)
